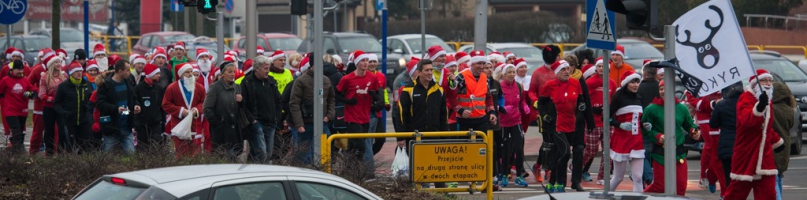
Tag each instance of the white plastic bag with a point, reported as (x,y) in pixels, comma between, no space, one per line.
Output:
(400,165)
(183,129)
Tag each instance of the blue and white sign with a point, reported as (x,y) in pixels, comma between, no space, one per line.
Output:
(176,6)
(12,11)
(600,26)
(229,6)
(379,5)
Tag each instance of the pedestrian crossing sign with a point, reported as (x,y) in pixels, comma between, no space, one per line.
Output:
(600,26)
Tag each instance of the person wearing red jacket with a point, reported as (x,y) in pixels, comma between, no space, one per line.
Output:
(752,166)
(15,91)
(38,121)
(593,139)
(558,102)
(540,76)
(184,98)
(711,167)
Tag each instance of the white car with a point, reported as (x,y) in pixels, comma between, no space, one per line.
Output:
(533,55)
(224,181)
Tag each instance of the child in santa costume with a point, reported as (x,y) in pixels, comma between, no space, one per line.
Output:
(184,98)
(654,114)
(752,165)
(627,146)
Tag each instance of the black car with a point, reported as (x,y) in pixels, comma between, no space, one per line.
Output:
(344,43)
(30,45)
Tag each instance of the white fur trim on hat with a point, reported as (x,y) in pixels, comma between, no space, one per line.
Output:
(53,59)
(154,73)
(589,72)
(449,64)
(278,56)
(92,66)
(498,57)
(618,52)
(504,69)
(438,54)
(660,71)
(563,64)
(521,64)
(599,62)
(361,57)
(75,69)
(204,53)
(477,59)
(509,55)
(464,59)
(373,57)
(184,68)
(179,47)
(16,52)
(629,78)
(337,58)
(139,60)
(761,76)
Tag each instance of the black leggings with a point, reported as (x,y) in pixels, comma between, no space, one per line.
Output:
(81,137)
(578,144)
(17,124)
(558,175)
(727,169)
(53,123)
(513,155)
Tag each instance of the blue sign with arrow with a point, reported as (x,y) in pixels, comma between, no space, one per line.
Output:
(12,11)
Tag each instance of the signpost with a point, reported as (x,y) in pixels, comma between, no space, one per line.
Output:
(449,162)
(600,34)
(11,11)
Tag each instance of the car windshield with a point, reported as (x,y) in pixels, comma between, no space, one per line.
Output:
(416,45)
(285,43)
(171,39)
(641,50)
(366,44)
(524,52)
(784,68)
(107,190)
(71,35)
(35,44)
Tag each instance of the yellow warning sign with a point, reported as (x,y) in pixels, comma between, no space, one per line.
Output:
(449,162)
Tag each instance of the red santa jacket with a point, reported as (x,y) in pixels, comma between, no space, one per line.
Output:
(34,77)
(206,81)
(755,139)
(540,76)
(174,103)
(4,72)
(15,104)
(595,89)
(626,144)
(703,106)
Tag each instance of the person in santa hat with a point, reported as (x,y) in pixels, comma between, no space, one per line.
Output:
(585,122)
(248,64)
(80,56)
(160,58)
(184,98)
(179,56)
(593,73)
(63,55)
(451,67)
(72,103)
(711,168)
(170,51)
(261,51)
(117,103)
(358,90)
(150,121)
(48,83)
(398,84)
(16,91)
(15,54)
(462,60)
(684,124)
(38,122)
(752,164)
(442,76)
(618,65)
(139,63)
(648,90)
(495,58)
(509,57)
(558,102)
(100,57)
(511,139)
(540,76)
(294,63)
(627,148)
(278,71)
(206,65)
(375,116)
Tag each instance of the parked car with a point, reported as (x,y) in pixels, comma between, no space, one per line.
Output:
(30,44)
(343,43)
(530,53)
(271,42)
(224,181)
(636,51)
(409,45)
(148,41)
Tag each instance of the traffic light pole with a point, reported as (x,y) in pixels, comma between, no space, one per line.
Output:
(480,25)
(316,64)
(669,115)
(219,36)
(384,55)
(252,31)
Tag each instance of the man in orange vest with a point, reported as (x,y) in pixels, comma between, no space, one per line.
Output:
(474,106)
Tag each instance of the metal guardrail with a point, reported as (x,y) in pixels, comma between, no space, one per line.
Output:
(326,141)
(797,18)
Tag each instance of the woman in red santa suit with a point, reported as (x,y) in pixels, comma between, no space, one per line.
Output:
(184,98)
(627,146)
(752,165)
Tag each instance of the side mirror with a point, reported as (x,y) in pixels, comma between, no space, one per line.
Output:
(398,51)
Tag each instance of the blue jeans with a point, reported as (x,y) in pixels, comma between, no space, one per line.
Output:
(124,138)
(262,141)
(778,187)
(647,174)
(306,138)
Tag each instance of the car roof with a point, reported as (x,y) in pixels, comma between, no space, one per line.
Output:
(348,34)
(273,35)
(204,172)
(26,36)
(755,56)
(411,36)
(168,33)
(502,45)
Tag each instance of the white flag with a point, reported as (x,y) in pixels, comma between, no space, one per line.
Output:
(710,48)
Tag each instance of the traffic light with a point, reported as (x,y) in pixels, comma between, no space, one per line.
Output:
(206,6)
(299,7)
(640,14)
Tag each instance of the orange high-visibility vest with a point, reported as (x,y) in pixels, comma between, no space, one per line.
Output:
(474,99)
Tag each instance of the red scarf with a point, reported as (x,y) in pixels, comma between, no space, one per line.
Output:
(660,101)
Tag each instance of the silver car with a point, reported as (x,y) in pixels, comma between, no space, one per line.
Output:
(224,181)
(533,55)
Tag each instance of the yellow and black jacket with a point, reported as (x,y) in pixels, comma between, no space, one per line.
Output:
(422,109)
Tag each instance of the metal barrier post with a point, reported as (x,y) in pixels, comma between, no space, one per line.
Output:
(489,183)
(325,157)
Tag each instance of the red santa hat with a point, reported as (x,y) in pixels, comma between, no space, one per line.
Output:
(11,51)
(247,66)
(520,62)
(229,58)
(660,71)
(277,54)
(170,48)
(598,62)
(507,66)
(114,58)
(132,57)
(661,83)
(305,63)
(646,61)
(92,64)
(435,52)
(478,56)
(139,59)
(411,66)
(559,65)
(98,49)
(620,50)
(628,76)
(158,52)
(238,74)
(74,67)
(179,45)
(201,51)
(62,53)
(51,58)
(462,57)
(589,70)
(196,68)
(261,51)
(450,61)
(508,54)
(182,69)
(215,71)
(498,68)
(761,73)
(151,70)
(38,55)
(496,56)
(359,55)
